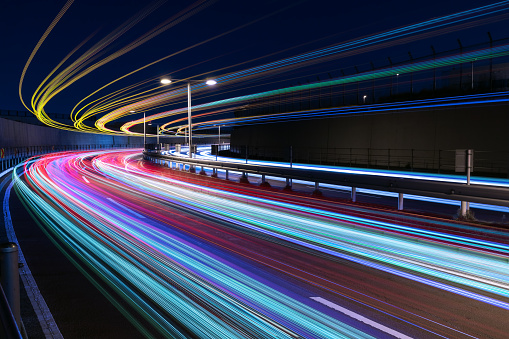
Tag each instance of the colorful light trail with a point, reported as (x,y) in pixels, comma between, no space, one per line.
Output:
(144,96)
(223,260)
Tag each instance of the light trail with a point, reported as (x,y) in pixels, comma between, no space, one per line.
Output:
(204,279)
(143,96)
(177,265)
(204,153)
(370,109)
(464,100)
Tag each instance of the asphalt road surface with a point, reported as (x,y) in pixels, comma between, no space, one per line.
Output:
(156,252)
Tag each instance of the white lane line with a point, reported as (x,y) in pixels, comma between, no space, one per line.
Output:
(126,209)
(88,182)
(360,318)
(46,320)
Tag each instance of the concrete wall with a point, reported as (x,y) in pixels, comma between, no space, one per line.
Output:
(430,133)
(18,134)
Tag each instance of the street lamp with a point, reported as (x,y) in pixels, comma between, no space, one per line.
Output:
(364,99)
(209,82)
(219,135)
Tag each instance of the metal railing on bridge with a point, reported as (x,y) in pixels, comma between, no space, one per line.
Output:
(483,194)
(11,156)
(487,163)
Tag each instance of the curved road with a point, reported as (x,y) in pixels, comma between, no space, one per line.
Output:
(194,256)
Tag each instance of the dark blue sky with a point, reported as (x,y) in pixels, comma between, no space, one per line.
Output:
(303,26)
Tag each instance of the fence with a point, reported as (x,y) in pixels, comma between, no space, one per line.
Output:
(487,163)
(12,156)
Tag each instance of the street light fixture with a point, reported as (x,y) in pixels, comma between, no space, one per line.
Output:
(209,82)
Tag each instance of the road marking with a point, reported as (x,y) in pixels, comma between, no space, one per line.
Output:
(126,208)
(44,316)
(360,318)
(88,182)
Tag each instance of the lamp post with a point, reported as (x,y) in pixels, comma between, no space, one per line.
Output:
(472,62)
(364,99)
(167,81)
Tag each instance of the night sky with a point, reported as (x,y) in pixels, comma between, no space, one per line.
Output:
(284,28)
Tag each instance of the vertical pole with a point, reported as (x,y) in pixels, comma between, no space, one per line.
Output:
(10,277)
(144,132)
(412,161)
(291,156)
(157,135)
(331,104)
(472,62)
(189,119)
(372,84)
(491,62)
(469,168)
(344,87)
(465,206)
(219,137)
(434,70)
(357,71)
(400,201)
(392,78)
(354,194)
(461,65)
(411,75)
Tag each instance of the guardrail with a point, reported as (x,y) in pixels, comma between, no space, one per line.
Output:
(484,194)
(11,156)
(10,318)
(487,163)
(8,327)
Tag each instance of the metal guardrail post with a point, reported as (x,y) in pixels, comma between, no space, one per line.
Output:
(484,194)
(400,201)
(9,277)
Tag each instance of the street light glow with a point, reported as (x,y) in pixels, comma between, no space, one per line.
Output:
(165,81)
(211,82)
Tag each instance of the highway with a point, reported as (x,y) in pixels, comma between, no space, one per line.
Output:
(205,154)
(195,256)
